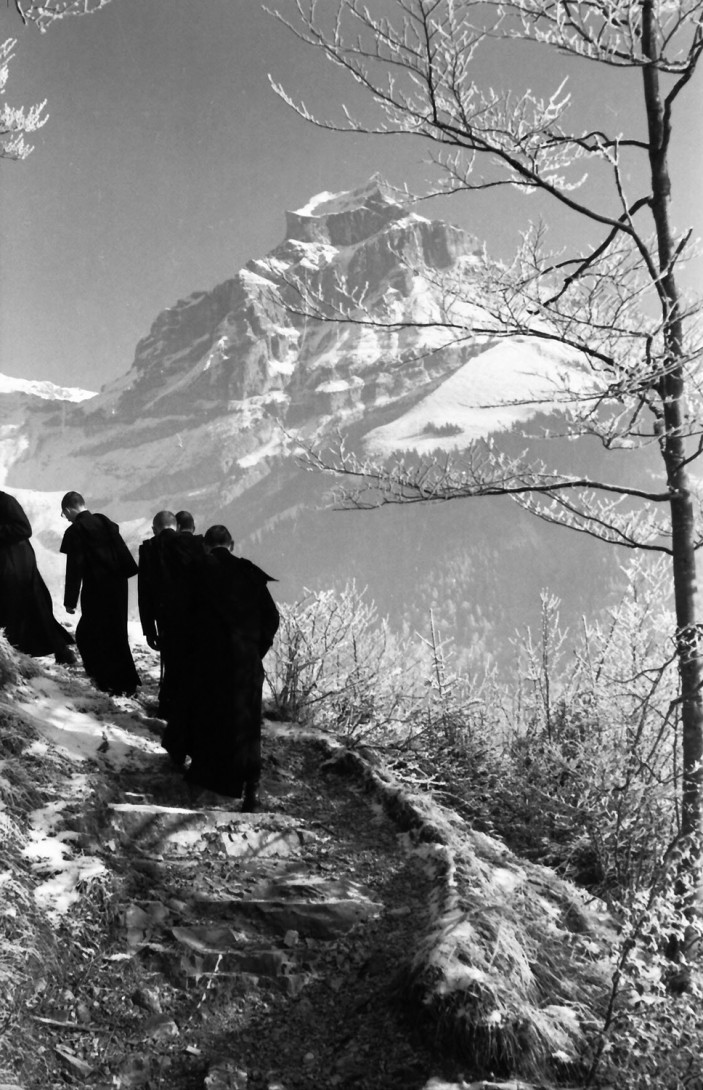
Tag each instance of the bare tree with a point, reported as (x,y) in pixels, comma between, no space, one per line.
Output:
(615,301)
(16,121)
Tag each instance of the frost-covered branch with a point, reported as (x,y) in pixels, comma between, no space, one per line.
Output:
(16,121)
(44,14)
(481,471)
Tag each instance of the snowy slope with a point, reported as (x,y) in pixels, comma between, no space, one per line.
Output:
(48,391)
(504,385)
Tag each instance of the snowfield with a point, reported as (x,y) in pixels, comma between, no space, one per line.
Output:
(504,385)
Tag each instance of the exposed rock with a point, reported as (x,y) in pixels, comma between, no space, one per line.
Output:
(148,999)
(226,1076)
(246,843)
(181,830)
(318,919)
(209,940)
(160,1027)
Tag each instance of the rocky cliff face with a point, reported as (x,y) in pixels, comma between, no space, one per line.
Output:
(221,371)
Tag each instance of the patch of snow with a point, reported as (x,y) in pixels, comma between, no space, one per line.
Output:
(268,450)
(327,203)
(506,384)
(320,202)
(79,734)
(50,854)
(409,219)
(253,279)
(216,352)
(58,893)
(81,725)
(46,390)
(316,254)
(286,366)
(272,264)
(338,386)
(506,880)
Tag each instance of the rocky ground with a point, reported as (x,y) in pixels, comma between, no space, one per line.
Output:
(194,946)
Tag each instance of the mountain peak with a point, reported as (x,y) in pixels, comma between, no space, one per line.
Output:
(376,190)
(344,219)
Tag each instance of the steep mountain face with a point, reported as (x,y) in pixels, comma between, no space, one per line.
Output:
(226,380)
(220,374)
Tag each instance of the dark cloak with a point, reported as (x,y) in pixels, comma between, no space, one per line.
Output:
(167,564)
(26,609)
(98,565)
(235,621)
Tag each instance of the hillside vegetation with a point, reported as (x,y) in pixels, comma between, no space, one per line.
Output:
(506,847)
(570,758)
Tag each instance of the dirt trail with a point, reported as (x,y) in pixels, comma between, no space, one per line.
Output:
(222,950)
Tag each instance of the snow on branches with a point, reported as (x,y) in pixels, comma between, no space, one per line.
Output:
(16,121)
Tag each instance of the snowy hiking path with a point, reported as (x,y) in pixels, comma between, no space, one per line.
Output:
(204,947)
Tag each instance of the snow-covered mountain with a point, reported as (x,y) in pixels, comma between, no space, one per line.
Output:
(22,399)
(226,380)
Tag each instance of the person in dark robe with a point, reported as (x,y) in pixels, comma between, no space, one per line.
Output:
(98,566)
(166,565)
(151,593)
(235,620)
(182,555)
(26,609)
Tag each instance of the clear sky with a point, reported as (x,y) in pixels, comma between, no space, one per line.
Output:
(167,162)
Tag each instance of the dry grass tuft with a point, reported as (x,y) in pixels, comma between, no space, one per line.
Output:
(14,665)
(27,943)
(512,967)
(18,792)
(10,671)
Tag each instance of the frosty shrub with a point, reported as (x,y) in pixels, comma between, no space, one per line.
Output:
(572,759)
(594,751)
(334,664)
(652,1035)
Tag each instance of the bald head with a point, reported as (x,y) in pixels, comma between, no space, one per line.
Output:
(163,520)
(185,522)
(218,537)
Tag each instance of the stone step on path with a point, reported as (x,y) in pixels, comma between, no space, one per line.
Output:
(292,907)
(295,907)
(260,951)
(152,828)
(270,941)
(299,906)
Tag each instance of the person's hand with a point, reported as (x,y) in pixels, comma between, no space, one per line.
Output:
(153,642)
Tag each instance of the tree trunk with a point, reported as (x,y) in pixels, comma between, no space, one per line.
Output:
(672,391)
